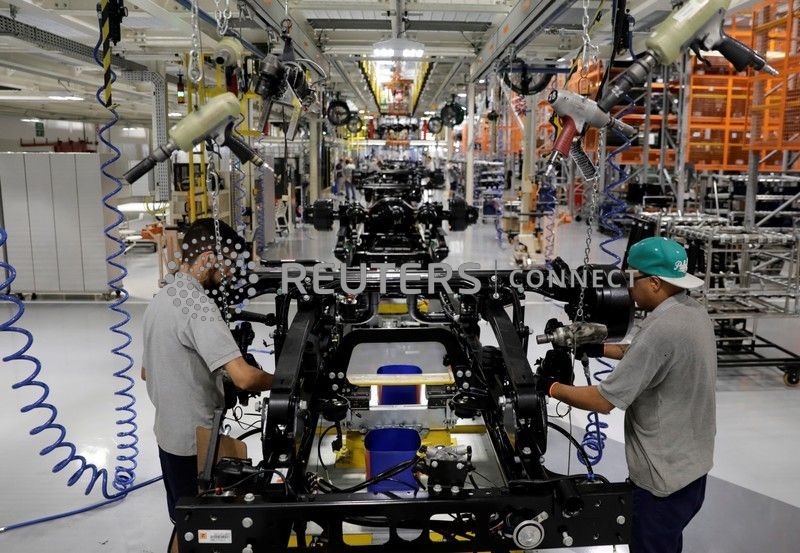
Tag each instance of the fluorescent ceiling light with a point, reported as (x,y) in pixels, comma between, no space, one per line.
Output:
(8,97)
(430,113)
(66,98)
(34,120)
(174,114)
(134,207)
(462,94)
(482,81)
(401,47)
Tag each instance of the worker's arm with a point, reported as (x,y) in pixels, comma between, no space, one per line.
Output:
(582,397)
(143,375)
(614,351)
(247,377)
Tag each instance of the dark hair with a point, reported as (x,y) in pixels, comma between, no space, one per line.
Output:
(201,238)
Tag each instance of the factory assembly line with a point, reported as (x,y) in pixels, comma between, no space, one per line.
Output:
(393,227)
(262,504)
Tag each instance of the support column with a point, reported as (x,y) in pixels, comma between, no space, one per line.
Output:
(662,160)
(528,159)
(469,178)
(315,153)
(448,159)
(682,149)
(756,127)
(648,99)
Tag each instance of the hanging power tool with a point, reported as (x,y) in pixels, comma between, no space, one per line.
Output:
(697,24)
(279,75)
(229,55)
(577,113)
(214,120)
(575,334)
(229,52)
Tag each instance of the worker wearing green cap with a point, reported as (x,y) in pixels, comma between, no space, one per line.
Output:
(665,384)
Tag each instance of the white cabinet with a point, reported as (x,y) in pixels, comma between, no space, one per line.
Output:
(53,213)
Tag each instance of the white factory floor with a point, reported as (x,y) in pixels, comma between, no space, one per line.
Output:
(753,499)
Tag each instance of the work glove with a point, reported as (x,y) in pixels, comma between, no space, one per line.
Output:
(591,350)
(544,383)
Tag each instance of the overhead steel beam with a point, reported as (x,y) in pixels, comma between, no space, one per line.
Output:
(336,64)
(50,41)
(49,74)
(448,26)
(357,49)
(356,59)
(526,20)
(176,23)
(352,24)
(271,14)
(456,66)
(29,8)
(412,26)
(413,7)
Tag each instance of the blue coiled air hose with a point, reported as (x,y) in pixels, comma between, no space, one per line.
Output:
(124,472)
(594,438)
(41,403)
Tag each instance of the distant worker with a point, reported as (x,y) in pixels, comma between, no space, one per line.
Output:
(455,178)
(338,178)
(665,383)
(349,186)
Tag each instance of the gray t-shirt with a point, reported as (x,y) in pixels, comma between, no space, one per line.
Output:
(185,341)
(665,383)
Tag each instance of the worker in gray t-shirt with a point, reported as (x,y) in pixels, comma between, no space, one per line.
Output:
(186,344)
(665,383)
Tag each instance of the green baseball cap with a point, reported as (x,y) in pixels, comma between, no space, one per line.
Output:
(664,258)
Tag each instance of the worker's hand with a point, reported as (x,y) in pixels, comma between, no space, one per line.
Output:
(555,367)
(591,350)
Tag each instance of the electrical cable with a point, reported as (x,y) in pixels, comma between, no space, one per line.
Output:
(590,473)
(388,473)
(259,472)
(319,448)
(124,471)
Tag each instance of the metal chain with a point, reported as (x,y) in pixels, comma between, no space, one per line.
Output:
(579,315)
(588,45)
(195,65)
(583,83)
(222,15)
(213,185)
(585,23)
(587,40)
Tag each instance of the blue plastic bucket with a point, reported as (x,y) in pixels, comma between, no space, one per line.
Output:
(398,395)
(387,448)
